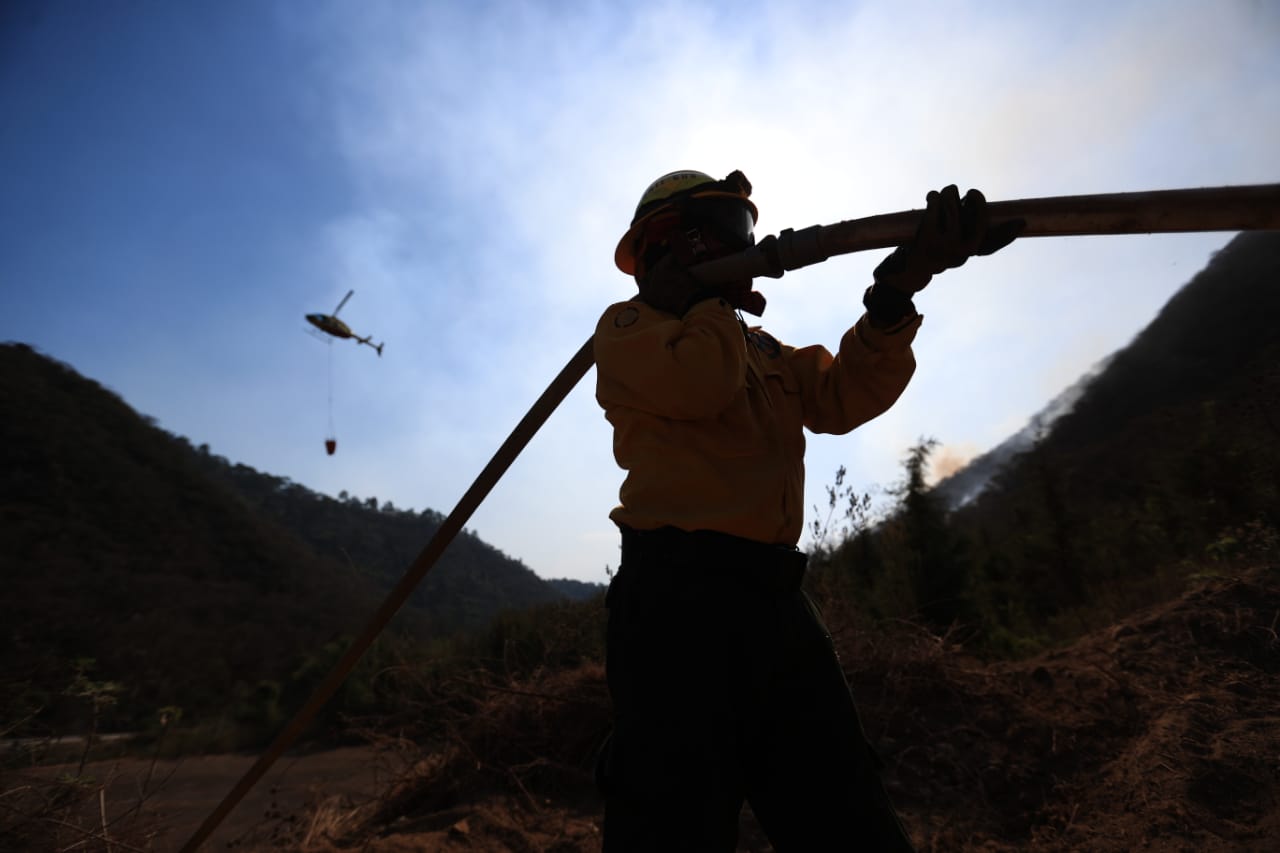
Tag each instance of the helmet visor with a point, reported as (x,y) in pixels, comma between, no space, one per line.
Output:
(729,220)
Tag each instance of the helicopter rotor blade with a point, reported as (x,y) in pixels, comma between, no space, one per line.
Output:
(343,302)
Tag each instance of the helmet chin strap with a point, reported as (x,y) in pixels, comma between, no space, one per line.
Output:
(748,300)
(691,249)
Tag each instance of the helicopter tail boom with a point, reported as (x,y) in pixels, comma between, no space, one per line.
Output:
(368,341)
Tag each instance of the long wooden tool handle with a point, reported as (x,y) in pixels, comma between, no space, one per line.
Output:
(542,408)
(1224,209)
(1244,208)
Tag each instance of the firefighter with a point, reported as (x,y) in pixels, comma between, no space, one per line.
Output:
(724,682)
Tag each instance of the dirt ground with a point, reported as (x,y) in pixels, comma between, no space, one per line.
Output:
(161,804)
(1161,733)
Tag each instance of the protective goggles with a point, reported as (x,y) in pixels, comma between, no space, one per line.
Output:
(728,220)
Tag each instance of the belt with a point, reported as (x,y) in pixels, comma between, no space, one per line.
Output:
(779,567)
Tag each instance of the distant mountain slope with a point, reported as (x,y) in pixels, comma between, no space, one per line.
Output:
(118,548)
(1218,327)
(1172,452)
(1168,460)
(1213,332)
(576,590)
(470,583)
(964,485)
(124,544)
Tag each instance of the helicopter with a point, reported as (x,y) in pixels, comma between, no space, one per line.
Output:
(331,325)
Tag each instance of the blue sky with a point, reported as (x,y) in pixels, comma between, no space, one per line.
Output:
(183,181)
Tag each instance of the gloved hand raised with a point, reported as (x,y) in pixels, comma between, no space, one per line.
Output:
(951,231)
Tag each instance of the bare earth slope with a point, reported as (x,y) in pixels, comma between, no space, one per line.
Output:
(1161,733)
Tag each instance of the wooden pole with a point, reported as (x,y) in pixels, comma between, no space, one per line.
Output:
(449,528)
(1219,209)
(1243,208)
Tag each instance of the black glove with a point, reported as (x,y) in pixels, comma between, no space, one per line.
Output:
(951,231)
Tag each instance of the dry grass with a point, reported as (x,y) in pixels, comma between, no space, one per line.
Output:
(70,813)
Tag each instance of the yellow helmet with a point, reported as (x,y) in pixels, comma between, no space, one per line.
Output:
(670,193)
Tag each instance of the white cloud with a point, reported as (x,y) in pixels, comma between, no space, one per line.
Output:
(501,149)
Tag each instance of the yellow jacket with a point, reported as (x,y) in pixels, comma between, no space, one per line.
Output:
(707,414)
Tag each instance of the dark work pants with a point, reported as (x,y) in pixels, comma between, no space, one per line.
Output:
(726,688)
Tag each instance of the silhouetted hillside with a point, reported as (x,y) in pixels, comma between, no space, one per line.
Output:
(1169,457)
(468,586)
(1218,333)
(1220,323)
(576,590)
(964,485)
(1170,448)
(187,580)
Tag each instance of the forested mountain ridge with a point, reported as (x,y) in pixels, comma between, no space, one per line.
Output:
(1215,338)
(184,578)
(962,486)
(1219,324)
(471,582)
(1170,456)
(1183,425)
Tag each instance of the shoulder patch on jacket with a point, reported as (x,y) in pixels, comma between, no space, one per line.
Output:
(765,342)
(626,317)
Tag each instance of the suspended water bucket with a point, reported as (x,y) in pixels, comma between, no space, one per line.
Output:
(330,445)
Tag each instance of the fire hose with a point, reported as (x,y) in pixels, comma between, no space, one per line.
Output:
(1238,208)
